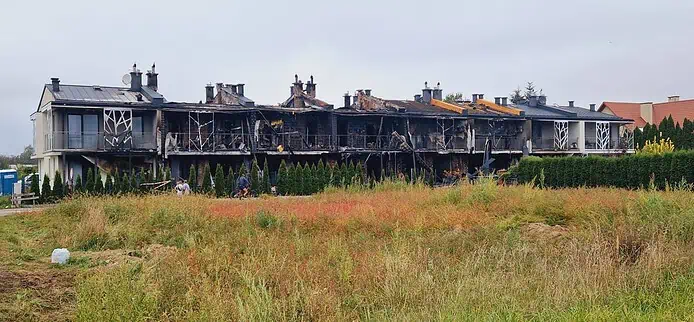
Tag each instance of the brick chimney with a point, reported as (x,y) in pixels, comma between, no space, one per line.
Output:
(209,93)
(55,84)
(152,79)
(647,112)
(311,88)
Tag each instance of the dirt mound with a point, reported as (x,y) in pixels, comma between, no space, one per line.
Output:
(543,231)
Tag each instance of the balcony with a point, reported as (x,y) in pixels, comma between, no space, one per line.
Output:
(618,143)
(96,141)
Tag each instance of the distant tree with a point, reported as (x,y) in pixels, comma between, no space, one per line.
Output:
(192,178)
(530,91)
(266,179)
(254,178)
(453,97)
(206,180)
(230,182)
(89,184)
(219,185)
(516,96)
(25,156)
(58,192)
(46,193)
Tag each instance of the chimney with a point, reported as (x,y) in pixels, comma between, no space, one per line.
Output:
(209,93)
(571,103)
(355,99)
(311,88)
(298,86)
(438,94)
(418,98)
(647,112)
(139,97)
(542,100)
(592,107)
(504,101)
(426,94)
(367,92)
(497,100)
(674,98)
(135,79)
(474,98)
(233,87)
(480,96)
(347,100)
(219,87)
(55,82)
(532,102)
(152,79)
(239,89)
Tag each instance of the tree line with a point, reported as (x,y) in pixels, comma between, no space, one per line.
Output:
(682,136)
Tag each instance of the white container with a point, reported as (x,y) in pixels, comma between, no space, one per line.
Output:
(60,256)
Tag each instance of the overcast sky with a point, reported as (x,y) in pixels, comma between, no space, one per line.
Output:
(588,51)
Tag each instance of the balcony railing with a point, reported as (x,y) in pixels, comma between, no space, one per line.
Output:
(618,143)
(96,141)
(542,143)
(500,143)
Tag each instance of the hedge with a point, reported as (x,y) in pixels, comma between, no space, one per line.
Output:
(632,171)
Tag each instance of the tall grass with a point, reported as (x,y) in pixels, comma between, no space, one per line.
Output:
(398,252)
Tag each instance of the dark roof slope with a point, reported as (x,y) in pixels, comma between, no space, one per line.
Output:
(95,93)
(566,112)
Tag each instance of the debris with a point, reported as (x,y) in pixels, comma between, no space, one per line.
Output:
(60,256)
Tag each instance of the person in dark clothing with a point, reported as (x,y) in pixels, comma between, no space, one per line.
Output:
(242,186)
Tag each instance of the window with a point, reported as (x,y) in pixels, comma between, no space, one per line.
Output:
(74,130)
(83,131)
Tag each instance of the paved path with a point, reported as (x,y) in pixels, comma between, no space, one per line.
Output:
(13,211)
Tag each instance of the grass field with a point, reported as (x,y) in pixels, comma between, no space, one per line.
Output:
(398,252)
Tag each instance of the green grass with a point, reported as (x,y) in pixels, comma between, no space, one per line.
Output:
(467,253)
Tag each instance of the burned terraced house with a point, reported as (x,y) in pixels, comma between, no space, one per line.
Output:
(135,128)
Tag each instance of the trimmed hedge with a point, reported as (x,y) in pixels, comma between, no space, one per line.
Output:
(633,171)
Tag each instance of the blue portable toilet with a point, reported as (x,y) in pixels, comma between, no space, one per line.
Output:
(7,181)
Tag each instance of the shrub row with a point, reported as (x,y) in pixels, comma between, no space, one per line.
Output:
(633,171)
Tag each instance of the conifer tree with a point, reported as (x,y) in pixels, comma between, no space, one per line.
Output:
(89,183)
(282,179)
(266,179)
(206,180)
(35,188)
(167,176)
(117,184)
(298,178)
(254,177)
(98,184)
(135,179)
(193,178)
(230,182)
(219,184)
(352,172)
(308,179)
(108,187)
(160,174)
(78,187)
(243,170)
(360,173)
(58,192)
(125,183)
(46,192)
(320,176)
